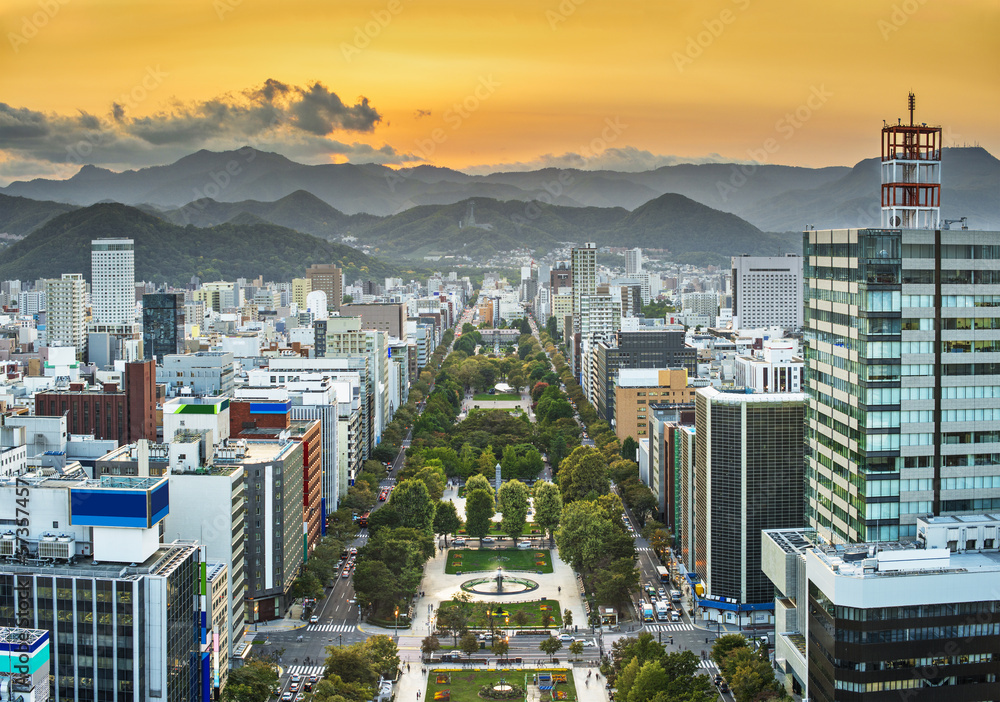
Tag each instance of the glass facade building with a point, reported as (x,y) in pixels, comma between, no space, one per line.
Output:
(903,377)
(162,324)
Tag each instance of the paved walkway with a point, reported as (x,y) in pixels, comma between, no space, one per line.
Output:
(439,587)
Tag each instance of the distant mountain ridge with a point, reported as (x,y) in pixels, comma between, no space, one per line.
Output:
(771,197)
(167,252)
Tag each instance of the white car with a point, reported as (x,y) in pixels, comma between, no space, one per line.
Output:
(586,642)
(566,638)
(314,619)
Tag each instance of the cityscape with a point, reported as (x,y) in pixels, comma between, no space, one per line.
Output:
(491,395)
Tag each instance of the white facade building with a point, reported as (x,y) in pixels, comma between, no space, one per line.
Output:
(767,291)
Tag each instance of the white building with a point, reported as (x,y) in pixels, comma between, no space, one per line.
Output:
(65,319)
(584,266)
(767,290)
(777,368)
(112,284)
(633,262)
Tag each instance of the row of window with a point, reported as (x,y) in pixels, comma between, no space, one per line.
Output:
(951,301)
(925,633)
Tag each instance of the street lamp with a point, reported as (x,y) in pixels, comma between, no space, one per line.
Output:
(397,621)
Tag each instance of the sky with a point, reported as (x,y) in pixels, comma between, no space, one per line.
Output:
(486,85)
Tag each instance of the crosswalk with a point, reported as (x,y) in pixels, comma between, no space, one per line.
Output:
(306,670)
(335,628)
(679,626)
(707,665)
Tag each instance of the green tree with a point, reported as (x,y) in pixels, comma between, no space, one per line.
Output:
(486,463)
(724,645)
(583,475)
(629,448)
(469,643)
(254,682)
(375,584)
(454,619)
(576,648)
(567,618)
(307,585)
(618,579)
(446,520)
(351,664)
(434,478)
(550,646)
(592,536)
(413,503)
(649,681)
(548,507)
(644,647)
(520,618)
(481,482)
(383,654)
(500,646)
(429,645)
(479,511)
(514,507)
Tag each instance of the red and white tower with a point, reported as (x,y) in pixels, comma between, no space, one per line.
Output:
(911,174)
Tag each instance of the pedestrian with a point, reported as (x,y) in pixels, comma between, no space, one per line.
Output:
(407,667)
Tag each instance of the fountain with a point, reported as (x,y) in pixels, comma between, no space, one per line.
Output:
(499,580)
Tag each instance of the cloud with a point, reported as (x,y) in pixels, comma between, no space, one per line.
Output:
(626,159)
(274,112)
(419,114)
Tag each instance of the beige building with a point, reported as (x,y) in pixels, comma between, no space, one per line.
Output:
(637,388)
(301,287)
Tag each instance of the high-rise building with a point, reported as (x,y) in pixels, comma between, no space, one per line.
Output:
(162,324)
(584,272)
(66,310)
(767,291)
(904,394)
(387,317)
(112,281)
(748,477)
(330,279)
(561,276)
(633,262)
(301,287)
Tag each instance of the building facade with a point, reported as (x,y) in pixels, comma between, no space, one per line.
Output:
(65,314)
(330,279)
(902,332)
(767,292)
(163,323)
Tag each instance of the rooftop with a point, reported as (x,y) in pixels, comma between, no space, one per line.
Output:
(162,562)
(18,636)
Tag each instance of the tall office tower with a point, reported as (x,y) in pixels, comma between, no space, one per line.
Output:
(904,394)
(584,271)
(65,322)
(748,477)
(162,324)
(301,287)
(702,303)
(633,262)
(330,279)
(904,390)
(767,291)
(112,281)
(911,174)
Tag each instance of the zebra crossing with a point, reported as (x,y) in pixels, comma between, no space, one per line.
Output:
(707,665)
(679,626)
(306,670)
(335,628)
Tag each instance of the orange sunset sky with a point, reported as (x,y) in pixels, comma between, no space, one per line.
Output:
(485,84)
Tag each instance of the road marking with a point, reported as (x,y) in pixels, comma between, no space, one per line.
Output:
(669,627)
(306,670)
(336,628)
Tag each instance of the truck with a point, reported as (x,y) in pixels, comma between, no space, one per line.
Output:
(647,613)
(675,595)
(662,611)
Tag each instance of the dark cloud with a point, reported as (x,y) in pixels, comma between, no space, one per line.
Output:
(419,114)
(626,159)
(276,113)
(318,111)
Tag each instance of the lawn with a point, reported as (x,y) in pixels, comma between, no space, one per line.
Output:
(474,560)
(464,685)
(479,617)
(499,397)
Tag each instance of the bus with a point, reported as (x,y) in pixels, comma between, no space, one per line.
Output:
(664,574)
(363,522)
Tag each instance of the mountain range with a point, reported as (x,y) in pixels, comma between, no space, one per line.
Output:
(771,197)
(245,247)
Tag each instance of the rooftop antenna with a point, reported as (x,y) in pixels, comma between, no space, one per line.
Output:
(911,102)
